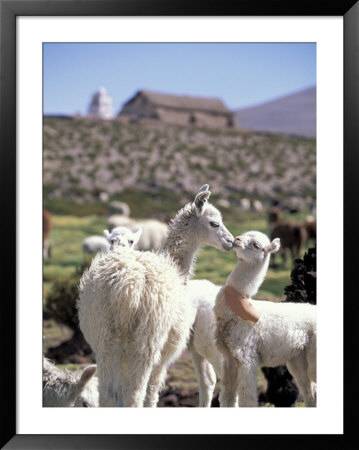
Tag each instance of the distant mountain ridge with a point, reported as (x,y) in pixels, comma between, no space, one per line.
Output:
(292,114)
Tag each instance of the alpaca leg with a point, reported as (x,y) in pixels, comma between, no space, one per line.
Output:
(170,352)
(105,384)
(134,386)
(298,367)
(118,380)
(295,251)
(206,378)
(106,394)
(312,359)
(228,394)
(312,369)
(155,383)
(247,385)
(109,379)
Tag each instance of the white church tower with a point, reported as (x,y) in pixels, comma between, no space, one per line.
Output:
(101,105)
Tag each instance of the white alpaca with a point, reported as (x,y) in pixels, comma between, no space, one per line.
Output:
(95,243)
(257,205)
(284,334)
(67,388)
(119,220)
(153,235)
(122,237)
(245,204)
(134,309)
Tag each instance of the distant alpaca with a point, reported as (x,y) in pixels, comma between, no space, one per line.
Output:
(67,388)
(95,243)
(119,220)
(153,233)
(293,235)
(46,225)
(122,237)
(311,226)
(134,310)
(284,334)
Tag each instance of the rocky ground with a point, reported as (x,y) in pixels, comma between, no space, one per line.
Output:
(83,158)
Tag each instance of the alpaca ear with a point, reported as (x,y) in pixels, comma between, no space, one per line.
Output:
(106,233)
(274,246)
(86,375)
(201,198)
(136,236)
(203,188)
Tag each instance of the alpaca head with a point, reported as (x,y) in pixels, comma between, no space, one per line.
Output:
(88,386)
(255,247)
(122,237)
(67,388)
(81,382)
(208,222)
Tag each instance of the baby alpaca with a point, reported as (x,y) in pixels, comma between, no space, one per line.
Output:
(65,388)
(284,334)
(122,237)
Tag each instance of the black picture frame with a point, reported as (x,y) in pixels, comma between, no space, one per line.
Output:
(9,10)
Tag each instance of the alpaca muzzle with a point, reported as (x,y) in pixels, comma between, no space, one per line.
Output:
(228,244)
(238,242)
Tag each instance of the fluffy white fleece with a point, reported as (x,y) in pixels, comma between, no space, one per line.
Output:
(128,293)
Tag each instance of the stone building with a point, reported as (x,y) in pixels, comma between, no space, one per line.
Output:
(180,110)
(101,105)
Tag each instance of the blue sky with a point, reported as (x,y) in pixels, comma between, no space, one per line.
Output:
(240,74)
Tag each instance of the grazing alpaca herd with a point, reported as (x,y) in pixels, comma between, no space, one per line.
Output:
(139,310)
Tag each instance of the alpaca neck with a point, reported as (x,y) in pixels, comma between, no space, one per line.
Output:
(182,251)
(246,277)
(183,242)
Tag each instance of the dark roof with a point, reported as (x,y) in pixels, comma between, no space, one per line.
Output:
(185,102)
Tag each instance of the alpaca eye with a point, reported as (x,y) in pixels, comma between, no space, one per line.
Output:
(214,224)
(130,242)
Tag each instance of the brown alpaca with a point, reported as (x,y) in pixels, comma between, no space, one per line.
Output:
(46,228)
(293,235)
(311,227)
